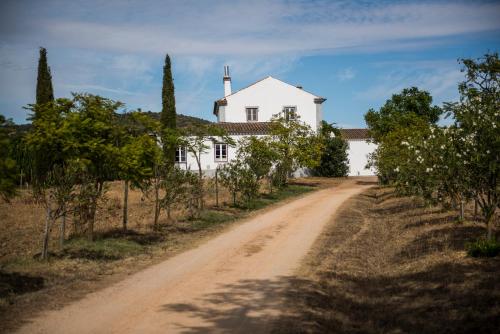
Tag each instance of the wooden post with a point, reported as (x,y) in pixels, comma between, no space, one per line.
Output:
(125,205)
(216,187)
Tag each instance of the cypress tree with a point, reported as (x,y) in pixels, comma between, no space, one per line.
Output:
(44,91)
(168,114)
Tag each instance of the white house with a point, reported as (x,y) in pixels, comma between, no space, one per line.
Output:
(247,112)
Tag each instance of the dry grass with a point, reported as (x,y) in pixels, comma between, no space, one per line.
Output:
(392,265)
(28,286)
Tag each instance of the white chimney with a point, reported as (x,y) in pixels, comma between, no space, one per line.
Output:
(227,81)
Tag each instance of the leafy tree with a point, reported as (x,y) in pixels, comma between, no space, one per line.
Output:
(91,126)
(295,146)
(8,171)
(168,114)
(334,160)
(405,109)
(477,116)
(231,175)
(258,155)
(136,157)
(44,90)
(197,140)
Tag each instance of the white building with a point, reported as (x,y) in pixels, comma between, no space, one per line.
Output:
(247,112)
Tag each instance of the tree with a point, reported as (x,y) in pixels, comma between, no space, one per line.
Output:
(196,140)
(295,145)
(258,155)
(334,160)
(138,148)
(93,140)
(168,114)
(405,109)
(44,90)
(8,171)
(477,116)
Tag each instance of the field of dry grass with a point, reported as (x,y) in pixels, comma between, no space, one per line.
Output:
(28,285)
(391,265)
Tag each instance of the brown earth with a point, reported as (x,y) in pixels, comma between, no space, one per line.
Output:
(232,283)
(393,265)
(29,286)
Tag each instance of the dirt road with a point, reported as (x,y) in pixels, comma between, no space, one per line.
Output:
(233,283)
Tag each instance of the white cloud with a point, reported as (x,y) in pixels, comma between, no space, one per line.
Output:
(117,47)
(346,74)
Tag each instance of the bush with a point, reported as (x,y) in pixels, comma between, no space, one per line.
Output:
(483,248)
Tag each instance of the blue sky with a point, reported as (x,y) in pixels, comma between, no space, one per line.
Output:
(354,53)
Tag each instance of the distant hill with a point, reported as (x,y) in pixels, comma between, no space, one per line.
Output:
(182,122)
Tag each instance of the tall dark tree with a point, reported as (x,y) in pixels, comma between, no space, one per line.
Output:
(168,114)
(44,90)
(334,158)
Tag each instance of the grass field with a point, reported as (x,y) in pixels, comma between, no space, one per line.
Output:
(28,285)
(392,265)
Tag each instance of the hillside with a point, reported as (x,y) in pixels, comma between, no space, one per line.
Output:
(182,121)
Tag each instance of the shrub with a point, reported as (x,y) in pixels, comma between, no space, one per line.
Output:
(483,248)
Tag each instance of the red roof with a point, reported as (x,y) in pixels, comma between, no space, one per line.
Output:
(262,128)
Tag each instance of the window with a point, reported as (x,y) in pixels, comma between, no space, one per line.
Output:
(252,114)
(220,152)
(290,113)
(180,155)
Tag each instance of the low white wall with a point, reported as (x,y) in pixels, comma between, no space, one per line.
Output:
(358,157)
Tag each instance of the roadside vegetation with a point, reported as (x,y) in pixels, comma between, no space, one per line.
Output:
(90,188)
(392,264)
(452,165)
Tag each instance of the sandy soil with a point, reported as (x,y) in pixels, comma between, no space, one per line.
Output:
(229,284)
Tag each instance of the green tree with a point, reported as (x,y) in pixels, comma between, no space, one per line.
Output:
(44,90)
(477,117)
(138,148)
(93,141)
(198,140)
(168,114)
(405,109)
(8,171)
(334,160)
(295,145)
(258,155)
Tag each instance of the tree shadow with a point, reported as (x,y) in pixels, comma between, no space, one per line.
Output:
(446,298)
(17,283)
(245,306)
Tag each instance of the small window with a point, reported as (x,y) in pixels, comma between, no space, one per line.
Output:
(290,113)
(180,155)
(252,114)
(220,152)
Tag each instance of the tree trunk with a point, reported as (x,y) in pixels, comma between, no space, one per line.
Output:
(489,224)
(169,216)
(462,210)
(234,198)
(125,205)
(157,206)
(62,231)
(475,209)
(45,247)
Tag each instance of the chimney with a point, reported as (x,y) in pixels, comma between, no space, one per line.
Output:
(227,81)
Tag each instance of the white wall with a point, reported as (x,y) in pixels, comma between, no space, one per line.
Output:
(270,96)
(358,157)
(208,163)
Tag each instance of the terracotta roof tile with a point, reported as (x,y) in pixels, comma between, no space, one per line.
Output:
(355,134)
(262,128)
(250,128)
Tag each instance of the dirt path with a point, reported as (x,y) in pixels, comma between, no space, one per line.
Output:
(232,283)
